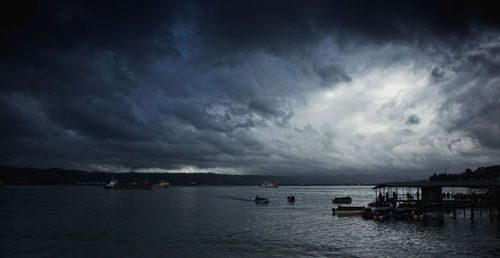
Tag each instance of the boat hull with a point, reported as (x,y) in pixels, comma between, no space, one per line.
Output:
(112,187)
(343,200)
(261,199)
(348,211)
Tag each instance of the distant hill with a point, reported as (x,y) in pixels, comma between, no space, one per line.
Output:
(480,174)
(57,176)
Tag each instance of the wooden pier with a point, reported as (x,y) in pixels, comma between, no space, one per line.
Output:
(428,196)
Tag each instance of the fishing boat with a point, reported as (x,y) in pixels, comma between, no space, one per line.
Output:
(113,184)
(343,199)
(290,198)
(164,184)
(268,185)
(259,199)
(348,210)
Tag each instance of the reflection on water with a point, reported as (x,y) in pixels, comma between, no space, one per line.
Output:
(223,221)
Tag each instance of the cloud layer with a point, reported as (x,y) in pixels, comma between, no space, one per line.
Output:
(251,87)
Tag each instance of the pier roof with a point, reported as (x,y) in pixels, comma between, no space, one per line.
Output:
(423,183)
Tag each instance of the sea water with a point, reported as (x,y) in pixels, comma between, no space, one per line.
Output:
(206,221)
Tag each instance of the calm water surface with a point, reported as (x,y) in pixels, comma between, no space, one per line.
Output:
(82,221)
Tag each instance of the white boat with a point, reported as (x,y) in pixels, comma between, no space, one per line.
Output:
(268,185)
(113,184)
(164,184)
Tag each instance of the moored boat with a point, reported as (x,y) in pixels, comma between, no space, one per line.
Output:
(348,210)
(259,199)
(382,213)
(368,213)
(163,184)
(113,184)
(268,185)
(344,199)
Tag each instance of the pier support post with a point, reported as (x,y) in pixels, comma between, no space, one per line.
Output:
(497,202)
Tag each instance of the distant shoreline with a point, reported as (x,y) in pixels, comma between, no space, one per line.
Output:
(57,176)
(204,185)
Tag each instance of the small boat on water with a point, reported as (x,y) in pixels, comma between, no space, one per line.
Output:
(290,198)
(259,199)
(348,210)
(268,185)
(164,184)
(113,184)
(344,199)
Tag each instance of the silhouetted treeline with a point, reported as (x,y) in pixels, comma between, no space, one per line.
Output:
(482,173)
(56,176)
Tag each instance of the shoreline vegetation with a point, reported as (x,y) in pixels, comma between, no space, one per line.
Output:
(56,176)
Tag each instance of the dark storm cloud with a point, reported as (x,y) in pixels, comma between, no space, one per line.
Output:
(331,75)
(474,96)
(283,26)
(168,84)
(413,119)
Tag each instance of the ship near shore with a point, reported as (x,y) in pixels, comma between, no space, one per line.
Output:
(268,185)
(163,184)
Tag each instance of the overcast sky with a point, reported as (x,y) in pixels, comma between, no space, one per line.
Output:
(251,87)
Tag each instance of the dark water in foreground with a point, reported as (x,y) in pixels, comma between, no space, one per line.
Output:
(83,221)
